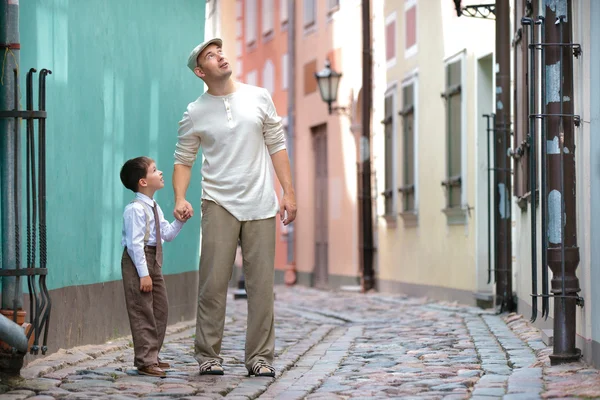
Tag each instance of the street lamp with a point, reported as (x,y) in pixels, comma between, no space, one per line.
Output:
(328,81)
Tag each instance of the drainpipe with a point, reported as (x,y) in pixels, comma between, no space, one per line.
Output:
(10,181)
(368,274)
(291,45)
(10,186)
(563,253)
(502,175)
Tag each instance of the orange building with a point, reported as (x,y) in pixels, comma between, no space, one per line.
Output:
(261,60)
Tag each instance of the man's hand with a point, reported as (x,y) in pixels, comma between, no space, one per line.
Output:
(287,209)
(146,284)
(183,210)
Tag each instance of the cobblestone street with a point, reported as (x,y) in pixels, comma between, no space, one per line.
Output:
(332,345)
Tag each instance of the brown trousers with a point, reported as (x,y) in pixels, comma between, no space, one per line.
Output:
(220,234)
(148,311)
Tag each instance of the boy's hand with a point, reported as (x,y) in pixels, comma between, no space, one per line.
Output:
(146,284)
(183,210)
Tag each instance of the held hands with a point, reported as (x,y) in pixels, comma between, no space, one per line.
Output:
(287,209)
(183,210)
(146,284)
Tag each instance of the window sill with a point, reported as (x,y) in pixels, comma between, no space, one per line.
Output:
(456,215)
(391,221)
(310,28)
(251,46)
(411,218)
(268,36)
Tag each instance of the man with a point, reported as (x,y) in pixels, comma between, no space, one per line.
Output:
(238,128)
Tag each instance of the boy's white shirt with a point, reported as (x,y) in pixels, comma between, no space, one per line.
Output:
(134,229)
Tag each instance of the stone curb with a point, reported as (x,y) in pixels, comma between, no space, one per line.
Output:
(75,356)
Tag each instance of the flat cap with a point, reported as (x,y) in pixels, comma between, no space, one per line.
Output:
(198,49)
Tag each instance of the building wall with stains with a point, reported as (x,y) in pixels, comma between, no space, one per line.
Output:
(586,100)
(119,86)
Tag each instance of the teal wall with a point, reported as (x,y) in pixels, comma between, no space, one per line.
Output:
(118,88)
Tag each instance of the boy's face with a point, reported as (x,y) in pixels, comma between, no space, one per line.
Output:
(154,178)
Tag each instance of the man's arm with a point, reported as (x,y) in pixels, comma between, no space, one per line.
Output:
(186,150)
(181,181)
(281,164)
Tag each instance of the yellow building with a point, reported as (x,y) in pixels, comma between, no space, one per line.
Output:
(431,163)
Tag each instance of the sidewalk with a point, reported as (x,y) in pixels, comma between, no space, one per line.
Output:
(332,345)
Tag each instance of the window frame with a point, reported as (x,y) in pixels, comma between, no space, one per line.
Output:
(309,26)
(391,215)
(410,216)
(283,13)
(456,215)
(250,24)
(414,49)
(392,18)
(268,17)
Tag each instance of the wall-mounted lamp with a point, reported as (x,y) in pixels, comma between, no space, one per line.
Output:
(328,81)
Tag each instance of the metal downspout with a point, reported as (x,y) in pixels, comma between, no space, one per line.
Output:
(291,109)
(502,164)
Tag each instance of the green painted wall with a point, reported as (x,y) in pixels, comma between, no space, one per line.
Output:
(118,88)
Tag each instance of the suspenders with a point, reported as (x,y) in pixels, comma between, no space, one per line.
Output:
(145,206)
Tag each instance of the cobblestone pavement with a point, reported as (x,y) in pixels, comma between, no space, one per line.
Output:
(332,345)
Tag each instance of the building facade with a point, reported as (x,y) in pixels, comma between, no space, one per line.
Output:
(109,100)
(431,177)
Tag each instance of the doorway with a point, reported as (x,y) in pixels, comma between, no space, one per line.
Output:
(321,268)
(483,207)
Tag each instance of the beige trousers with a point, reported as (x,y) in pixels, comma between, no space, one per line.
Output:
(148,311)
(220,234)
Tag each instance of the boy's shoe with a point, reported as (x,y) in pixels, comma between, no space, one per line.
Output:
(151,370)
(163,365)
(211,367)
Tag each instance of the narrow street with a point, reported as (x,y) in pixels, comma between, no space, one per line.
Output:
(332,345)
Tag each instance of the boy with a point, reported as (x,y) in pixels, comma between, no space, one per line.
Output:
(144,229)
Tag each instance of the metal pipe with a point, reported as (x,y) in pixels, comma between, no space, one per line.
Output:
(13,334)
(291,51)
(368,273)
(502,181)
(563,252)
(44,294)
(544,178)
(532,167)
(489,206)
(10,186)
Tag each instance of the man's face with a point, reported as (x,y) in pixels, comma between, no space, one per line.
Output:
(212,65)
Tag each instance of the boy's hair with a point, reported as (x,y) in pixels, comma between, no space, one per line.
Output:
(133,170)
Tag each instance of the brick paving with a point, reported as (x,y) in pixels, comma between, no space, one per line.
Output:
(331,345)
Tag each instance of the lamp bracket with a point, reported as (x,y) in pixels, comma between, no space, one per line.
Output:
(486,11)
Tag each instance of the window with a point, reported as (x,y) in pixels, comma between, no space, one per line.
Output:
(268,77)
(238,9)
(284,72)
(333,5)
(250,14)
(267,17)
(390,40)
(251,78)
(389,124)
(283,11)
(454,182)
(310,83)
(409,140)
(310,13)
(410,28)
